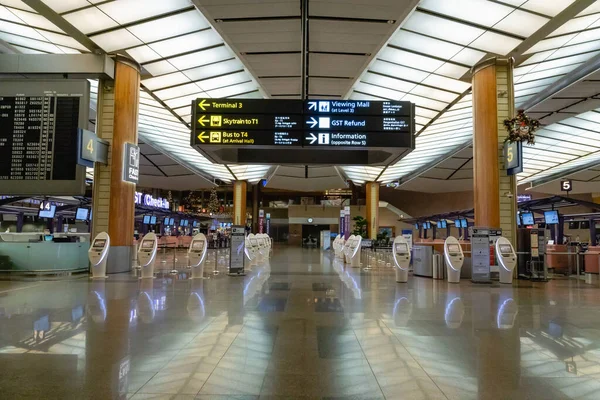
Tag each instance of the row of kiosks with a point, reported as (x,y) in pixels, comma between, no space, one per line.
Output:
(348,251)
(454,258)
(258,248)
(146,255)
(352,250)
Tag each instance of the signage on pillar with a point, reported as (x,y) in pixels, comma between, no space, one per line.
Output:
(261,221)
(346,222)
(513,157)
(268,227)
(236,256)
(342,227)
(566,185)
(131,163)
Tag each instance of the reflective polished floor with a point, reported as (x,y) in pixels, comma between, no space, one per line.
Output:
(301,326)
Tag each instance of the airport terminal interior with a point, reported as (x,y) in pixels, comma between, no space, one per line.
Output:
(300,199)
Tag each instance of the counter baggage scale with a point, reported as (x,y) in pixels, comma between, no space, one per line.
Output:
(354,251)
(401,253)
(98,254)
(454,258)
(197,255)
(507,258)
(147,254)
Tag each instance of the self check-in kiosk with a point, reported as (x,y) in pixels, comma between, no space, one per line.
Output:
(147,254)
(255,249)
(341,249)
(263,250)
(98,254)
(354,251)
(454,258)
(197,255)
(401,253)
(347,249)
(507,258)
(249,254)
(336,246)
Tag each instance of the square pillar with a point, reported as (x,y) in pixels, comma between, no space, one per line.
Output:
(372,191)
(240,189)
(495,193)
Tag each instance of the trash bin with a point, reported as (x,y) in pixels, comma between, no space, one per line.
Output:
(438,266)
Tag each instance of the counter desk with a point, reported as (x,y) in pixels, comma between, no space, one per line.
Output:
(25,253)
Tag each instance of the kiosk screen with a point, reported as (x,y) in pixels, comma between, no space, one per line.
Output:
(166,221)
(401,248)
(99,243)
(463,223)
(153,220)
(148,244)
(527,219)
(48,211)
(198,245)
(453,248)
(505,250)
(82,214)
(551,217)
(253,242)
(146,219)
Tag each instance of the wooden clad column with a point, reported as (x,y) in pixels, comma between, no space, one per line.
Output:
(494,191)
(372,191)
(113,199)
(240,189)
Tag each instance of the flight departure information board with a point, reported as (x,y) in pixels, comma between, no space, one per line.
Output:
(297,123)
(38,136)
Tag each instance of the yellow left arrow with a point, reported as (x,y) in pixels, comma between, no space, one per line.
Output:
(202,120)
(203,104)
(202,136)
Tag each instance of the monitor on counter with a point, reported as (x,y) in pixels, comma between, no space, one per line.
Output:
(47,210)
(172,221)
(442,224)
(82,214)
(464,223)
(584,225)
(184,222)
(146,219)
(551,217)
(153,220)
(457,223)
(518,219)
(417,226)
(527,218)
(166,221)
(195,224)
(573,224)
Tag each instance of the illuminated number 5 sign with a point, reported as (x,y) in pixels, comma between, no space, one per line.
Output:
(566,186)
(513,158)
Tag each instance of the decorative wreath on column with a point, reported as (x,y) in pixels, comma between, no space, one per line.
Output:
(521,128)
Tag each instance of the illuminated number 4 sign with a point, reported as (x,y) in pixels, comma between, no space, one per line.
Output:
(566,186)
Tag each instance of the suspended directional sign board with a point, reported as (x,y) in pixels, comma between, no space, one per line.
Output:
(375,132)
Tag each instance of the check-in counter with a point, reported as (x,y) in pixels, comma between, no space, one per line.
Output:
(592,260)
(25,253)
(558,259)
